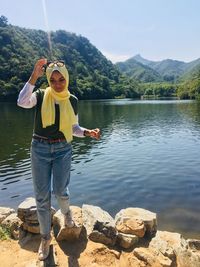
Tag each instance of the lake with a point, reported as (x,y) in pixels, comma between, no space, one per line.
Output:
(148,157)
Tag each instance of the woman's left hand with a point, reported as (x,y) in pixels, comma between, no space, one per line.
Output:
(94,133)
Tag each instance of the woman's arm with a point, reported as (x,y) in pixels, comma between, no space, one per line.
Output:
(79,131)
(27,99)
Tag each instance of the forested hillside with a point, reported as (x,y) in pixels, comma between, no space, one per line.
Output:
(164,78)
(92,76)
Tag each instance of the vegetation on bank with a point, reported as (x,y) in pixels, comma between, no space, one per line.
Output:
(92,76)
(190,88)
(5,233)
(161,89)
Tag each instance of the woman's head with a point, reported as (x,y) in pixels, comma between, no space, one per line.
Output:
(57,76)
(57,81)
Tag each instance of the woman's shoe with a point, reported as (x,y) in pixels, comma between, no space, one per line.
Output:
(68,219)
(43,251)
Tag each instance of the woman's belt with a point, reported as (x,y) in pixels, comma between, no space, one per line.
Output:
(50,141)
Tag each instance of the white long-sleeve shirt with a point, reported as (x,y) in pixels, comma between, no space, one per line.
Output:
(27,99)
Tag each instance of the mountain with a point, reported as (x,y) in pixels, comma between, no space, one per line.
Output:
(165,70)
(193,68)
(92,76)
(169,69)
(138,70)
(142,60)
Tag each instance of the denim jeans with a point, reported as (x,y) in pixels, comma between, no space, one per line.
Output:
(51,165)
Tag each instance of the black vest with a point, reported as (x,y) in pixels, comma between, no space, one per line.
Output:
(51,131)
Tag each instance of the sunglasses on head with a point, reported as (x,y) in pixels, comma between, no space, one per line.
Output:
(51,64)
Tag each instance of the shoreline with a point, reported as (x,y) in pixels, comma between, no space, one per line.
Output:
(131,239)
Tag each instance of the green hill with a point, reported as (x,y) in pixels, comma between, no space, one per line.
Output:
(167,70)
(139,71)
(92,76)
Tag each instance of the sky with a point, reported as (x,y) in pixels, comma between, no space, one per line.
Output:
(120,29)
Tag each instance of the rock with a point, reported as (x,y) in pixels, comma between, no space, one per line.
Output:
(27,209)
(27,212)
(127,241)
(5,212)
(194,244)
(13,223)
(152,257)
(64,233)
(103,233)
(93,214)
(99,225)
(134,216)
(130,226)
(161,242)
(31,227)
(99,237)
(174,246)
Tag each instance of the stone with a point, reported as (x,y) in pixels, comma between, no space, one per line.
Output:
(133,214)
(99,225)
(13,223)
(194,244)
(64,233)
(27,212)
(99,237)
(161,242)
(5,212)
(174,246)
(103,233)
(27,208)
(31,227)
(130,226)
(127,241)
(152,257)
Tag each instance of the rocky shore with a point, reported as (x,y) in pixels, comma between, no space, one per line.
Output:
(131,239)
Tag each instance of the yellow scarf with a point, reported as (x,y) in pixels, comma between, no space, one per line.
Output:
(67,116)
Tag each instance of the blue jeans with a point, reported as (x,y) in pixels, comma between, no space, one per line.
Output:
(51,165)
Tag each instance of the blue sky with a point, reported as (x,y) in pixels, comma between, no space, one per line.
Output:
(120,29)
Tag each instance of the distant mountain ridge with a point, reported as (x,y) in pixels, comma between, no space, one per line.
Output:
(146,70)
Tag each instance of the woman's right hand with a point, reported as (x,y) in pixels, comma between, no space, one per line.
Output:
(38,70)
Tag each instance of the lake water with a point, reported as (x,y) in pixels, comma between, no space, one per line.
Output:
(148,157)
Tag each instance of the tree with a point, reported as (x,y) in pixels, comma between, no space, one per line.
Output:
(3,21)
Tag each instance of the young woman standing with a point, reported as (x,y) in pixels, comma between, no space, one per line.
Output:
(56,121)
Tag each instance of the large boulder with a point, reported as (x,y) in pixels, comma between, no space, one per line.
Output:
(136,221)
(175,247)
(27,212)
(99,224)
(63,232)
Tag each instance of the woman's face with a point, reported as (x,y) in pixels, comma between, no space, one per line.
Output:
(57,81)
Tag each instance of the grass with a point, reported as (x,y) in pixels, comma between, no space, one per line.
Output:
(5,233)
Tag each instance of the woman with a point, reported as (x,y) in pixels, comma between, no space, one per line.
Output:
(56,121)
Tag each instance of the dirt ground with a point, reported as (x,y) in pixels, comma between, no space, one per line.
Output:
(80,253)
